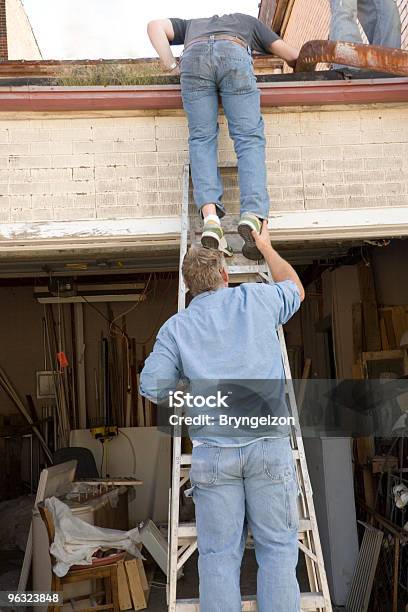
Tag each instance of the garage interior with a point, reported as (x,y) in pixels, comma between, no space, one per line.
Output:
(75,330)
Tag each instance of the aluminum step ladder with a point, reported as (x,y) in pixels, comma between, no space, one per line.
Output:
(182,540)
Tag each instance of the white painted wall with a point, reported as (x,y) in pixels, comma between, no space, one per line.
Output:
(55,168)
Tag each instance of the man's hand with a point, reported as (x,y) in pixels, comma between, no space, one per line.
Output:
(175,71)
(280,269)
(262,240)
(285,51)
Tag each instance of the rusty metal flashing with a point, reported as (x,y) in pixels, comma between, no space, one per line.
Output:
(370,57)
(144,67)
(167,97)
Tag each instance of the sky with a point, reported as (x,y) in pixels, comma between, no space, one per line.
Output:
(93,29)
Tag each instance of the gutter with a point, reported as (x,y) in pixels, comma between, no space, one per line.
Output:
(160,97)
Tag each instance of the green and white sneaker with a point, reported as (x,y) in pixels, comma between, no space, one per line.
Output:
(247,224)
(213,238)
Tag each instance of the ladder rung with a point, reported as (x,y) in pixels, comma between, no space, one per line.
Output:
(187,531)
(245,270)
(308,601)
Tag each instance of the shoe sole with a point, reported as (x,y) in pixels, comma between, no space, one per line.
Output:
(210,242)
(249,249)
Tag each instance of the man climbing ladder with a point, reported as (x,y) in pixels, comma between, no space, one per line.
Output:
(238,479)
(217,60)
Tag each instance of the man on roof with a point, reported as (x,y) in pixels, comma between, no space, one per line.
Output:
(217,61)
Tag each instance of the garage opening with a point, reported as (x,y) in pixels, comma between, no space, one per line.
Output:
(74,337)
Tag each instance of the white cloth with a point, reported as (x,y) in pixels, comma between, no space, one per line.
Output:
(76,541)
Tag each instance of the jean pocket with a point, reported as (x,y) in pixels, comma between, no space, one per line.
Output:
(277,459)
(204,465)
(291,504)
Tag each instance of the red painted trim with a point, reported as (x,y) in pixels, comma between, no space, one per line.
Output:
(298,93)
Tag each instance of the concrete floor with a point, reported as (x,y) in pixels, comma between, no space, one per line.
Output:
(188,585)
(11,561)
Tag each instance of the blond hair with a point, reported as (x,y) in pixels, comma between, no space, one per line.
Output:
(202,269)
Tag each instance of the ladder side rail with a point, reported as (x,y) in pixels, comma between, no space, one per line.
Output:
(176,467)
(303,465)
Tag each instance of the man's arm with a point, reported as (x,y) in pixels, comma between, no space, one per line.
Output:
(285,51)
(162,370)
(280,269)
(161,34)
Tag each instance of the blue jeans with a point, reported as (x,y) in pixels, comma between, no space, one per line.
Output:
(236,487)
(379,19)
(225,68)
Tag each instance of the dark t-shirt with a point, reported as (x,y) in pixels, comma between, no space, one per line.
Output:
(256,34)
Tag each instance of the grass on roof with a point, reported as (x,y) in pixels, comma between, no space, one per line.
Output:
(105,75)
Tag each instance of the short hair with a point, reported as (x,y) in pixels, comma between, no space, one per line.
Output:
(202,269)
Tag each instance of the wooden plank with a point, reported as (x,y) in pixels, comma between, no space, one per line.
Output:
(366,283)
(383,355)
(135,585)
(385,345)
(400,323)
(372,333)
(386,315)
(143,578)
(357,316)
(125,602)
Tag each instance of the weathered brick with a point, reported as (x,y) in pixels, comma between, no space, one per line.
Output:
(30,161)
(325,203)
(52,201)
(397,200)
(279,179)
(364,202)
(82,174)
(323,178)
(363,151)
(383,162)
(114,159)
(339,165)
(73,161)
(373,176)
(5,216)
(77,214)
(50,174)
(178,144)
(134,146)
(118,185)
(314,191)
(343,137)
(119,212)
(383,189)
(93,146)
(354,189)
(286,154)
(106,198)
(322,153)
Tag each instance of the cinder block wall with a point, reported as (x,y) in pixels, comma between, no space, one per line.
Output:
(126,167)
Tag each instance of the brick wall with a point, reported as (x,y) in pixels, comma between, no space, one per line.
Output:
(124,167)
(310,20)
(3,31)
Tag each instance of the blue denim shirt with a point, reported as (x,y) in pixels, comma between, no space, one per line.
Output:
(228,334)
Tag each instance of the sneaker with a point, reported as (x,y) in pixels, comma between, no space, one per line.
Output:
(213,238)
(247,224)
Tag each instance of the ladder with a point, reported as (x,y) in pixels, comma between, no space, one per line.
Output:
(182,541)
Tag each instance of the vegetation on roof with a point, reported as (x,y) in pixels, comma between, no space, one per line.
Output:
(105,74)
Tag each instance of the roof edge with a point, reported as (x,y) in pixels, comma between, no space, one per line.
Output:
(162,97)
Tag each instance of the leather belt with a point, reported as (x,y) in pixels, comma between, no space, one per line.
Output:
(231,38)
